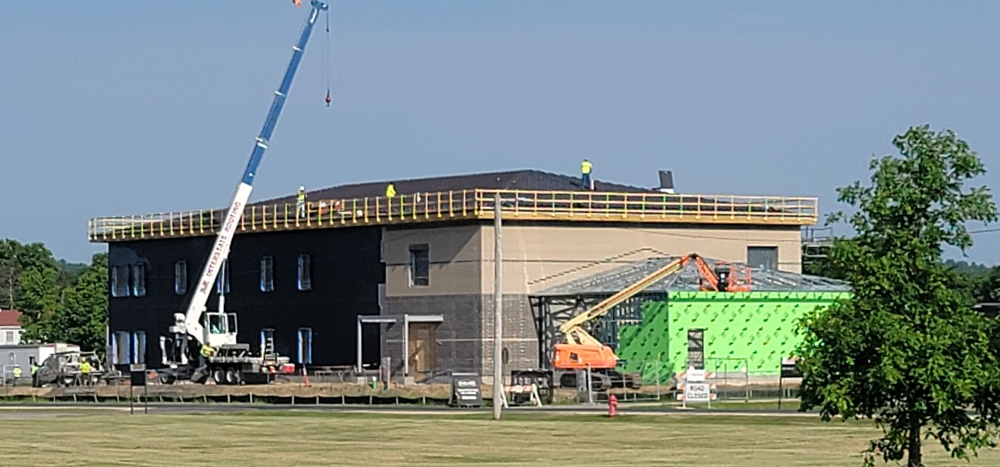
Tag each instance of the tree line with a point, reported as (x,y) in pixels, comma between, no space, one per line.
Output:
(60,301)
(982,282)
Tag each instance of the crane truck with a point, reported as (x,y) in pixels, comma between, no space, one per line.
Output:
(209,338)
(582,350)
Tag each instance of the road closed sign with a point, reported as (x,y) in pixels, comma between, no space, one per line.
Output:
(697,392)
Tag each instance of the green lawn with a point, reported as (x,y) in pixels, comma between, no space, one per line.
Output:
(281,439)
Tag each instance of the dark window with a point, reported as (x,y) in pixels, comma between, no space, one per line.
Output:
(267,274)
(305,272)
(181,277)
(122,348)
(139,346)
(419,266)
(222,280)
(139,280)
(305,345)
(119,281)
(763,257)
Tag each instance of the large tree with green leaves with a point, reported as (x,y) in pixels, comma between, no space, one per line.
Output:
(61,301)
(16,259)
(906,349)
(84,318)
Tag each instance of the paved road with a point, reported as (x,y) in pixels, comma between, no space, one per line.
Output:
(18,410)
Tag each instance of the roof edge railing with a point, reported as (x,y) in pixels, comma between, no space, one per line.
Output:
(469,204)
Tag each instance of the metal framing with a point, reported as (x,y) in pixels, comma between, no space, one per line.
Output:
(612,281)
(550,312)
(553,306)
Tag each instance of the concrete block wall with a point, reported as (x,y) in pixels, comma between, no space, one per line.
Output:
(519,335)
(458,336)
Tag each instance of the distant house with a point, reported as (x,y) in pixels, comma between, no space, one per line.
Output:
(10,327)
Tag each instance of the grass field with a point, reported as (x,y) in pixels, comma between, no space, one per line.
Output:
(310,438)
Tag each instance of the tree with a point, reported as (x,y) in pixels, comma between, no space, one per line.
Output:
(15,259)
(823,265)
(60,301)
(906,349)
(84,318)
(988,290)
(971,269)
(41,300)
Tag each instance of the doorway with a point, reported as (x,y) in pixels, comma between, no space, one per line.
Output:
(696,349)
(422,349)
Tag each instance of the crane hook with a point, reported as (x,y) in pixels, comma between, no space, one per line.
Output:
(328,98)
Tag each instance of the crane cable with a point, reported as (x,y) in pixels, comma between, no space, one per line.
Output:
(327,71)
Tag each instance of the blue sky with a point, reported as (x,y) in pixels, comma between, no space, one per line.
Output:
(118,107)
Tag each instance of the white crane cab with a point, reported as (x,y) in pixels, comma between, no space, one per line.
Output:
(220,329)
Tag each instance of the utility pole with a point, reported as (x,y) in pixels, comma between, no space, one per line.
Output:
(497,311)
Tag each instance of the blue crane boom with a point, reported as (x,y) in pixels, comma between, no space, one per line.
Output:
(190,322)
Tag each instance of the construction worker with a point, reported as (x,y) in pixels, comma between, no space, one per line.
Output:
(390,191)
(300,201)
(585,168)
(85,372)
(17,374)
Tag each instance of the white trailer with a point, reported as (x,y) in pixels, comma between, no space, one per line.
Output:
(23,355)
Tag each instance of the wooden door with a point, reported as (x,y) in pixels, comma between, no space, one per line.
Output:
(423,348)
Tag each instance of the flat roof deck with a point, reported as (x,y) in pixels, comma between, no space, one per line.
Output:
(445,206)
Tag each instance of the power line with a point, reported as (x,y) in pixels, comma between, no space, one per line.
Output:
(994,229)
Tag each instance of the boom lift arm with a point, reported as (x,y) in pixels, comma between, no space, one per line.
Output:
(190,322)
(573,330)
(577,338)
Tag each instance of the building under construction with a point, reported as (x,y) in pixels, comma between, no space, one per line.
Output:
(674,322)
(359,276)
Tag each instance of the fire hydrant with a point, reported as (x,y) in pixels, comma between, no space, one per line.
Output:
(612,405)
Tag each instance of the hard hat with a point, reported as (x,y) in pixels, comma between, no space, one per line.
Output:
(302,188)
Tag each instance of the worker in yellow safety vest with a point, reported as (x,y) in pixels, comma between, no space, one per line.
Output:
(17,373)
(585,168)
(300,202)
(85,372)
(390,191)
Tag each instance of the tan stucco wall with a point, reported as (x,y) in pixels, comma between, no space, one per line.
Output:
(455,258)
(537,257)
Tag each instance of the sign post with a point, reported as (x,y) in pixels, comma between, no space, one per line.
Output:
(137,377)
(789,369)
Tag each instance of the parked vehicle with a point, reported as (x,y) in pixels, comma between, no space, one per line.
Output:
(63,369)
(23,356)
